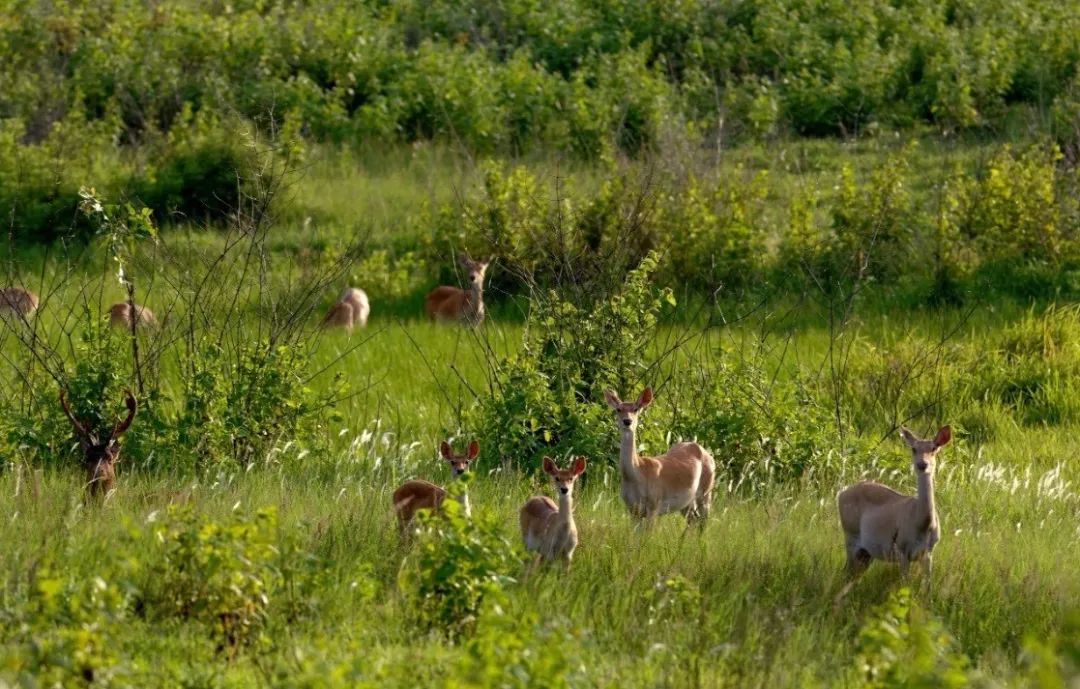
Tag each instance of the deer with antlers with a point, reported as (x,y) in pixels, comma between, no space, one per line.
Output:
(350,310)
(882,524)
(446,303)
(549,529)
(417,494)
(680,480)
(100,452)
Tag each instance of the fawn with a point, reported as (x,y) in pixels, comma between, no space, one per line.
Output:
(350,310)
(881,524)
(681,479)
(445,303)
(20,301)
(129,315)
(418,494)
(100,452)
(549,529)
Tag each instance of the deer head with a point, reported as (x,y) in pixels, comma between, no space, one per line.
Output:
(626,413)
(100,451)
(923,452)
(474,270)
(564,478)
(459,463)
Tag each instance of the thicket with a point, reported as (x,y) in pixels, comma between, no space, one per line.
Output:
(157,97)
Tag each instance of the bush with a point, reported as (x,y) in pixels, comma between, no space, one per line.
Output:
(223,575)
(458,566)
(202,172)
(901,645)
(548,399)
(64,633)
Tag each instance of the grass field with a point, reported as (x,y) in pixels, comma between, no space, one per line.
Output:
(180,579)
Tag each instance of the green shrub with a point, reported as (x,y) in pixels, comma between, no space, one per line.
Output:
(458,566)
(203,171)
(548,399)
(64,633)
(901,645)
(223,575)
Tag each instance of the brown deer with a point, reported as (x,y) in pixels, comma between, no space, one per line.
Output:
(418,494)
(19,301)
(882,524)
(100,452)
(679,480)
(549,529)
(350,310)
(127,315)
(445,303)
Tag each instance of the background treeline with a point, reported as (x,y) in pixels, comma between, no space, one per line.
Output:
(164,86)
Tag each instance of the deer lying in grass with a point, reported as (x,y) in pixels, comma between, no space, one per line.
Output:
(127,315)
(445,303)
(100,452)
(881,524)
(548,529)
(417,494)
(350,310)
(19,301)
(679,480)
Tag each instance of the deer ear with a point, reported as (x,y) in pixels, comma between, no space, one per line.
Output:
(944,435)
(579,466)
(446,451)
(549,465)
(908,436)
(612,399)
(474,449)
(645,399)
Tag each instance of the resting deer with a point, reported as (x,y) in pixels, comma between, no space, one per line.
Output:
(679,480)
(128,315)
(881,524)
(350,310)
(549,529)
(445,303)
(418,494)
(100,452)
(20,301)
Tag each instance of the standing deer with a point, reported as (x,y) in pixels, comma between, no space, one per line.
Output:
(679,480)
(18,300)
(445,303)
(350,310)
(418,494)
(129,315)
(99,456)
(549,530)
(881,524)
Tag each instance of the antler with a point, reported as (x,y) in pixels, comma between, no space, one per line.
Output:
(79,428)
(123,425)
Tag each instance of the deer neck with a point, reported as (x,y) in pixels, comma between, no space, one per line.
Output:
(628,456)
(924,499)
(474,298)
(566,509)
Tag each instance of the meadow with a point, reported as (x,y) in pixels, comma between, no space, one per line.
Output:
(805,225)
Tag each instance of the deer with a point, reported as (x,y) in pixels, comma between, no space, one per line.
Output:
(882,524)
(418,494)
(100,451)
(128,315)
(549,529)
(681,479)
(451,304)
(18,300)
(350,310)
